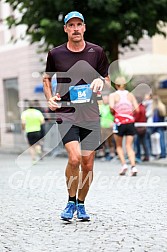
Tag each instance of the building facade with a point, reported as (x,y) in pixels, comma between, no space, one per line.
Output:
(20,75)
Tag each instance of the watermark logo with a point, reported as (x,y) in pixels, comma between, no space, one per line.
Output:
(53,180)
(83,71)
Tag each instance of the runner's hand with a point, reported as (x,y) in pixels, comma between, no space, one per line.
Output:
(52,102)
(97,85)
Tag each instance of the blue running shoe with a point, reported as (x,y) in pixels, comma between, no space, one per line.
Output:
(68,212)
(81,213)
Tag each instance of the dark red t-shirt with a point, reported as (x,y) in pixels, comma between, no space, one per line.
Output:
(77,68)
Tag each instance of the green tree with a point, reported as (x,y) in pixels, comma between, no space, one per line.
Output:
(110,22)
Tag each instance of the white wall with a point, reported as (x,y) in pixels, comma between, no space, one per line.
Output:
(19,62)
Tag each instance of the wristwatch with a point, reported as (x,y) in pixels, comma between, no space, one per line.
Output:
(103,79)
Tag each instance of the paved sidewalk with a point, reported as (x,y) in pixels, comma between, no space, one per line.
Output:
(18,151)
(127,213)
(158,162)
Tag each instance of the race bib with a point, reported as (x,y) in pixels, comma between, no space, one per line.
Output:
(80,93)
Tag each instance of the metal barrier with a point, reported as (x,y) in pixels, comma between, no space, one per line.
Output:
(52,139)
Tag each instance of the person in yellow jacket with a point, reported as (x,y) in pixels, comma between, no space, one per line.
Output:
(32,119)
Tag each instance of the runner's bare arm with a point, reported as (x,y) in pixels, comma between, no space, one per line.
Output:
(23,125)
(134,102)
(47,86)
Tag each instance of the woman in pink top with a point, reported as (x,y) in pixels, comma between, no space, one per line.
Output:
(122,104)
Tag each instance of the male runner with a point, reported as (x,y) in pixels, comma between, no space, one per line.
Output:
(85,67)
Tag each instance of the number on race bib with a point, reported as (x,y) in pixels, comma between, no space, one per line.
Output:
(81,94)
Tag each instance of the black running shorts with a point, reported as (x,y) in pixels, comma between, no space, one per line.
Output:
(33,137)
(126,129)
(87,133)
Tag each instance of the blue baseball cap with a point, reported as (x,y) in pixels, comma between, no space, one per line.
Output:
(73,14)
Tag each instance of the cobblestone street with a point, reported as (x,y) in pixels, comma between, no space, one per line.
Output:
(127,213)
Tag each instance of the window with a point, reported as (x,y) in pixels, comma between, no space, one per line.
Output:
(12,112)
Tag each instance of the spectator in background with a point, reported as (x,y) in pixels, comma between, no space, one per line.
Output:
(106,122)
(159,114)
(38,106)
(32,119)
(43,126)
(149,116)
(140,139)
